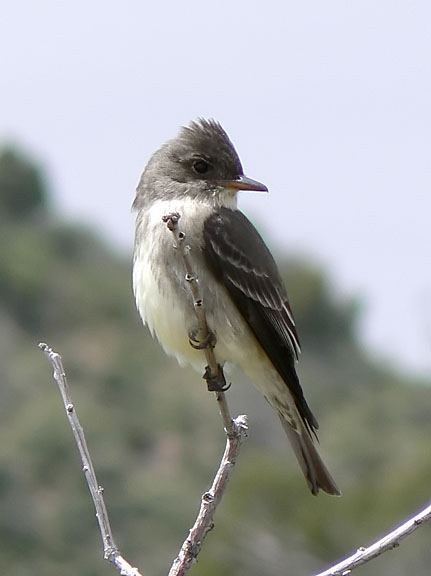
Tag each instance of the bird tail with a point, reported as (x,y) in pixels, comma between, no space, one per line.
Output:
(312,465)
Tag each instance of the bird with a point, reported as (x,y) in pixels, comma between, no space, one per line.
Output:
(198,175)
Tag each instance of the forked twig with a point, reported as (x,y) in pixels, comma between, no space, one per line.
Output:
(236,430)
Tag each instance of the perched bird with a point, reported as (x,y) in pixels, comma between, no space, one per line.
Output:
(198,174)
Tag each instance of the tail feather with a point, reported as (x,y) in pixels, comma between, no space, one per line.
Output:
(312,465)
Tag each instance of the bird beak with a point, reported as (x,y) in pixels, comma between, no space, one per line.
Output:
(243,183)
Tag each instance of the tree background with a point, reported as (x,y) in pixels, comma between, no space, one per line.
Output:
(154,431)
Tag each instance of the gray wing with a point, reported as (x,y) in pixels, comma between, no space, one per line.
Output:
(240,260)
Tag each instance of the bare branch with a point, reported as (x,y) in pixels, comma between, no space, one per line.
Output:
(110,549)
(210,500)
(236,430)
(386,543)
(215,370)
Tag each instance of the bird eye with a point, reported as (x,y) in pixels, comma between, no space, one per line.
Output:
(200,166)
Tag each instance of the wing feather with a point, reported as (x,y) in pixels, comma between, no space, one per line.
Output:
(241,261)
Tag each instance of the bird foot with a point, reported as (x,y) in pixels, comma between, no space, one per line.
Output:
(208,342)
(216,383)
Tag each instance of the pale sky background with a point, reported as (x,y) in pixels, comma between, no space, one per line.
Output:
(327,102)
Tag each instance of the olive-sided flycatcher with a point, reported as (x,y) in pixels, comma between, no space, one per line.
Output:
(198,174)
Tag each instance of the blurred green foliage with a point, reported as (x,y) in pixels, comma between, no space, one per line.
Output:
(23,189)
(154,431)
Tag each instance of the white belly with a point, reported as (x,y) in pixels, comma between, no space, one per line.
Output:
(164,299)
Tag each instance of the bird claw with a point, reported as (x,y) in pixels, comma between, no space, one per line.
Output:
(208,342)
(216,383)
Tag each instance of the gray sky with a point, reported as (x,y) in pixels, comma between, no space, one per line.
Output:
(328,103)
